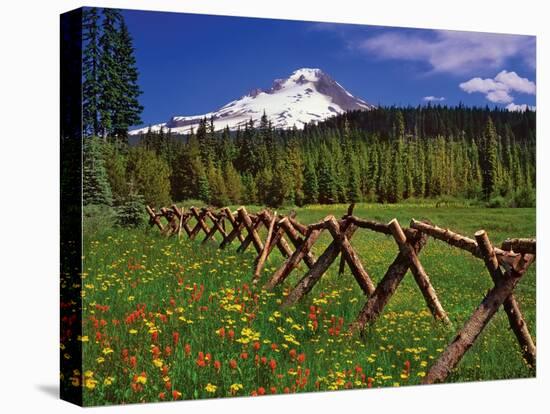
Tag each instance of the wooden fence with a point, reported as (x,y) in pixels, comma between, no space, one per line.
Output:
(506,265)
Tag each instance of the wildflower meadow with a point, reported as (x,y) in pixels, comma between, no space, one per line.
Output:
(167,319)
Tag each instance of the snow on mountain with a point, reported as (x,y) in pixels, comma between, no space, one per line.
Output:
(308,95)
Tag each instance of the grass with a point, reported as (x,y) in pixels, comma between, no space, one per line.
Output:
(167,319)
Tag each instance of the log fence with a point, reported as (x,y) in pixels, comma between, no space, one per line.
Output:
(506,265)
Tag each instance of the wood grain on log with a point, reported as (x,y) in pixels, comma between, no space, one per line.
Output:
(350,256)
(466,337)
(511,306)
(305,284)
(263,255)
(292,262)
(420,275)
(252,234)
(292,233)
(520,245)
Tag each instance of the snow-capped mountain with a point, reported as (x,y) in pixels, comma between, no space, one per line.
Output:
(307,95)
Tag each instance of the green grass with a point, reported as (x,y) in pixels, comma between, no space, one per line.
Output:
(126,269)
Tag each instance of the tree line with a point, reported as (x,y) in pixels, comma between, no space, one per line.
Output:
(337,161)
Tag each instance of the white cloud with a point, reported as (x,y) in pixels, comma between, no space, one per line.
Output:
(515,83)
(452,51)
(432,98)
(520,108)
(499,88)
(499,96)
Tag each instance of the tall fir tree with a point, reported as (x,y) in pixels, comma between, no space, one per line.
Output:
(95,181)
(311,186)
(127,109)
(108,73)
(90,83)
(489,157)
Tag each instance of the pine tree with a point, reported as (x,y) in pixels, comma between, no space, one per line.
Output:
(130,212)
(90,84)
(233,183)
(115,165)
(327,183)
(250,193)
(311,186)
(95,181)
(489,158)
(216,185)
(127,110)
(150,175)
(295,176)
(108,72)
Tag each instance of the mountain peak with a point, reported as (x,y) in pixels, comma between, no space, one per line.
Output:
(307,95)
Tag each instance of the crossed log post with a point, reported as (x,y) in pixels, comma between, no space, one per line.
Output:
(420,276)
(302,250)
(217,221)
(236,232)
(343,233)
(253,236)
(466,337)
(183,219)
(201,225)
(389,283)
(154,219)
(515,266)
(172,221)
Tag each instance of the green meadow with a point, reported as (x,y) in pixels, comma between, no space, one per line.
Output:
(167,319)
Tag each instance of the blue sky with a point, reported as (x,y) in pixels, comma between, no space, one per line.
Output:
(193,64)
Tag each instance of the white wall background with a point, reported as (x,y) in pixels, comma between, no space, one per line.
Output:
(29,91)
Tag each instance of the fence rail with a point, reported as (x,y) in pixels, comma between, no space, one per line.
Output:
(506,265)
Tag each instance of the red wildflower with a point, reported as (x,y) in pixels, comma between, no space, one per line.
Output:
(175,338)
(162,396)
(233,364)
(187,349)
(154,336)
(292,353)
(272,365)
(301,358)
(261,391)
(256,346)
(217,365)
(273,390)
(244,355)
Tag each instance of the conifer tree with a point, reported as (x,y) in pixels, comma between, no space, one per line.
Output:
(233,183)
(127,110)
(489,159)
(108,72)
(90,84)
(150,176)
(95,181)
(327,182)
(311,186)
